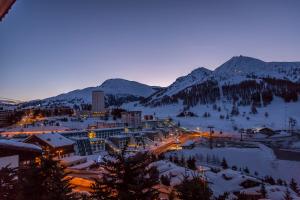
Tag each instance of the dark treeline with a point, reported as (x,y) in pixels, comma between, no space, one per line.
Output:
(257,93)
(112,100)
(203,93)
(122,177)
(44,181)
(16,116)
(49,112)
(249,92)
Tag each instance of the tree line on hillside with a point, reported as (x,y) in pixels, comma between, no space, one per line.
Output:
(248,92)
(256,93)
(112,100)
(16,116)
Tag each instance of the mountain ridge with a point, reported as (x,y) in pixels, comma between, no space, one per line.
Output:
(234,71)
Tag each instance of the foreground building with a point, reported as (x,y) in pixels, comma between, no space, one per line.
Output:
(18,154)
(53,144)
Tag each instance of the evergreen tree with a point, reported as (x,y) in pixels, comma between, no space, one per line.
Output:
(263,190)
(172,195)
(224,164)
(45,182)
(126,177)
(101,191)
(182,161)
(242,196)
(193,188)
(294,186)
(191,163)
(175,159)
(246,170)
(235,110)
(165,180)
(224,196)
(8,183)
(287,195)
(253,109)
(266,114)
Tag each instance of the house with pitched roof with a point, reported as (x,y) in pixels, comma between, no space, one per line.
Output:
(53,144)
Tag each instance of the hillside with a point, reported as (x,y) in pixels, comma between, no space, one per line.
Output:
(242,80)
(116,91)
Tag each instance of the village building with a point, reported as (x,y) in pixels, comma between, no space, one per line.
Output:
(53,144)
(18,154)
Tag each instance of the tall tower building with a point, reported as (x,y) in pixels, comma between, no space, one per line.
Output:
(98,104)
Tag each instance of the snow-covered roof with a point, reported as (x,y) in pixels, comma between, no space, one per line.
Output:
(274,192)
(15,144)
(119,136)
(83,165)
(73,159)
(55,139)
(188,143)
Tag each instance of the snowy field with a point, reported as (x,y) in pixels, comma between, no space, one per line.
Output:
(261,160)
(217,183)
(278,115)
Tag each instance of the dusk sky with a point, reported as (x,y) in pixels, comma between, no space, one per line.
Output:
(55,46)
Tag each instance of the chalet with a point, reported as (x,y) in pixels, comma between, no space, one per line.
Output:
(53,144)
(18,154)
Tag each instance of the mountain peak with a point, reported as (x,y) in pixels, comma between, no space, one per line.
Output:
(201,70)
(240,65)
(115,81)
(123,86)
(242,58)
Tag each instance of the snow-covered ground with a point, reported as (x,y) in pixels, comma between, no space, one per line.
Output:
(217,181)
(278,115)
(261,160)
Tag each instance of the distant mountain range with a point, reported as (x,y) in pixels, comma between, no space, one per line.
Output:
(6,101)
(203,82)
(238,74)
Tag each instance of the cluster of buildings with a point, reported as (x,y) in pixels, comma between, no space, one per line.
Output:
(63,145)
(5,112)
(131,130)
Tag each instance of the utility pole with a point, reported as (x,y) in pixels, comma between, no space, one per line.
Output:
(211,131)
(241,132)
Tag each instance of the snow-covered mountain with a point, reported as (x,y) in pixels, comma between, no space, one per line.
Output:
(6,101)
(209,85)
(118,88)
(239,76)
(196,76)
(240,67)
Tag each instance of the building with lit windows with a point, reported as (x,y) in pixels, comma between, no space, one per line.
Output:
(53,144)
(18,154)
(94,133)
(132,119)
(88,146)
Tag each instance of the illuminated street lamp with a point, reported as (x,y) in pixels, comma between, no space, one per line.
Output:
(59,152)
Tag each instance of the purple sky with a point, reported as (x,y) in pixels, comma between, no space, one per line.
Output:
(50,47)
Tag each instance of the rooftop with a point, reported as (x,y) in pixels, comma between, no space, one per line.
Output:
(55,139)
(15,144)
